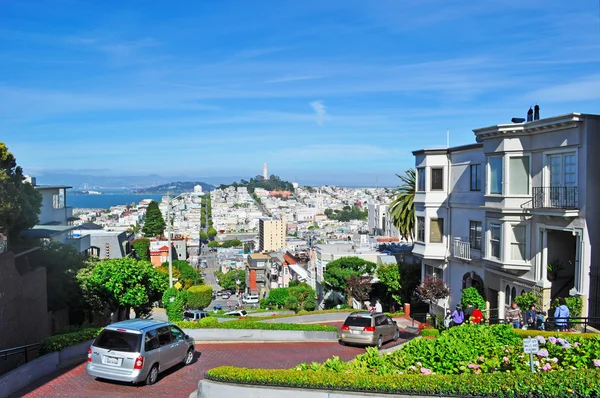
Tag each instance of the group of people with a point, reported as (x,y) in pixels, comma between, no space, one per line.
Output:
(530,319)
(534,319)
(471,314)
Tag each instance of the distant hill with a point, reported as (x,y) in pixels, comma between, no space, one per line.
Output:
(174,187)
(273,183)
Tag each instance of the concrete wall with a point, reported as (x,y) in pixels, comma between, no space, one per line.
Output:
(23,304)
(17,379)
(211,389)
(201,335)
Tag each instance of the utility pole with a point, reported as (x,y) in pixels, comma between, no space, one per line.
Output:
(169,239)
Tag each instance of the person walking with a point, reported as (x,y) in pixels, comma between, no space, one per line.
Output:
(458,316)
(562,314)
(477,315)
(514,316)
(469,312)
(378,307)
(531,317)
(448,319)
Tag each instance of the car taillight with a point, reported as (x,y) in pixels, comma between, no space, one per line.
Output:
(369,329)
(345,327)
(139,362)
(90,355)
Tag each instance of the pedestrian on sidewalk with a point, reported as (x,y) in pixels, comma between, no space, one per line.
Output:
(514,315)
(458,316)
(378,307)
(477,315)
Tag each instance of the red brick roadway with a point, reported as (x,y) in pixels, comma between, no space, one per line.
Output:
(181,381)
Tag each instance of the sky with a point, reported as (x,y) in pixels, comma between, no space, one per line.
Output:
(325,92)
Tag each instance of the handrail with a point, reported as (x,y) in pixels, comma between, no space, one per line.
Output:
(4,354)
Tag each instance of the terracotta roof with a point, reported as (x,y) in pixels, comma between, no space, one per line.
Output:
(289,259)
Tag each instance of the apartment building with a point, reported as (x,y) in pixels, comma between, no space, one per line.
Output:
(380,222)
(498,213)
(271,234)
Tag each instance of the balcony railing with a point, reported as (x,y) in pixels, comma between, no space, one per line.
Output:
(555,198)
(462,249)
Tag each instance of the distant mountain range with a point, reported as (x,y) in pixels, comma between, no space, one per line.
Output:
(98,182)
(174,187)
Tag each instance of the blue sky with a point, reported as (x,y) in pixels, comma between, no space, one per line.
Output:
(325,92)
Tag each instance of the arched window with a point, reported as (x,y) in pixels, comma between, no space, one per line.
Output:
(522,292)
(507,295)
(513,294)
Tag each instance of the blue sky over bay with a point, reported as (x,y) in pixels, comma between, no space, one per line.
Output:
(325,92)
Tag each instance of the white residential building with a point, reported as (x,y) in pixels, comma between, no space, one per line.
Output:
(495,214)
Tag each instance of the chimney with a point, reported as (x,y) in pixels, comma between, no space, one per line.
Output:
(530,115)
(536,112)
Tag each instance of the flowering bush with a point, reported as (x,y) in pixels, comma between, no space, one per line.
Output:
(474,349)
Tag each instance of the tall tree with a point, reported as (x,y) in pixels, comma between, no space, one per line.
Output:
(339,271)
(402,208)
(20,202)
(154,223)
(389,275)
(62,262)
(212,232)
(122,284)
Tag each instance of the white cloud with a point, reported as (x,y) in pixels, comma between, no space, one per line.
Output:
(286,79)
(585,89)
(320,111)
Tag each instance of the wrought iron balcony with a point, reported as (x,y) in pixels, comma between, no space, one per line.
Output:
(462,249)
(555,198)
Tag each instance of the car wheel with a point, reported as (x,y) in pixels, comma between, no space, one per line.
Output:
(379,342)
(396,335)
(189,357)
(152,375)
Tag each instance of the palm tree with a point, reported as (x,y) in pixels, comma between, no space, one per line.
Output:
(133,229)
(402,208)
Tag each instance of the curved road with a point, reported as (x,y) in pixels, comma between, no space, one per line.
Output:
(182,381)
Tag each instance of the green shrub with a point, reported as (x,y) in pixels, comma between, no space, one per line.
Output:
(571,383)
(526,300)
(142,248)
(209,322)
(60,341)
(278,296)
(199,297)
(430,332)
(547,333)
(291,303)
(251,324)
(471,295)
(174,301)
(310,304)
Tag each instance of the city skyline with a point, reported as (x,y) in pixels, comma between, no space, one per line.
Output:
(338,93)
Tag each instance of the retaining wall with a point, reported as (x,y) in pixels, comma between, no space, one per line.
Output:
(23,375)
(213,389)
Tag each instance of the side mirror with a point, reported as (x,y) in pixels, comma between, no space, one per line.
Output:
(395,323)
(187,337)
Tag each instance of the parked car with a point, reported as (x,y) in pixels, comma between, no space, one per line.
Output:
(366,328)
(194,315)
(225,296)
(137,350)
(240,313)
(250,299)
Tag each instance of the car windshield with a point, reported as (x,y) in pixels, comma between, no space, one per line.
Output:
(357,321)
(118,341)
(243,312)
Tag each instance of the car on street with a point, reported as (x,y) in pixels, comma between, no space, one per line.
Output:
(240,313)
(137,350)
(366,328)
(194,315)
(225,296)
(251,299)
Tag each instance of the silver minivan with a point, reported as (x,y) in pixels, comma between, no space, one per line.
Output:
(137,350)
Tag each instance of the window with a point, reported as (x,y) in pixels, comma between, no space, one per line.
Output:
(436,230)
(151,341)
(518,244)
(177,334)
(475,234)
(507,295)
(58,200)
(421,179)
(118,341)
(475,177)
(495,175)
(518,175)
(164,336)
(421,229)
(434,272)
(437,179)
(513,294)
(495,240)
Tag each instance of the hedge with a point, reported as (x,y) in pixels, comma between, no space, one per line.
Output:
(60,341)
(430,332)
(569,383)
(247,324)
(199,296)
(525,333)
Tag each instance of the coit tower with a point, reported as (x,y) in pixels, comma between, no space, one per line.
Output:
(265,172)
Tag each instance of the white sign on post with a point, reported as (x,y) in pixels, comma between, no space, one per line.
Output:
(531,346)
